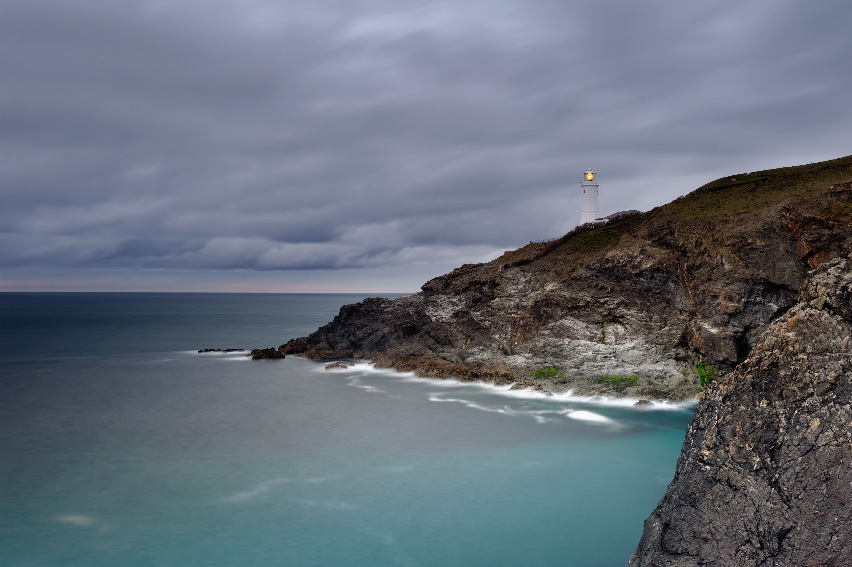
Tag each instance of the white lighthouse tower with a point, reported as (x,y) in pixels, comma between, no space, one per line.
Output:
(589,198)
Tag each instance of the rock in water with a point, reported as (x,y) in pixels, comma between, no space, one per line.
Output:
(265,354)
(765,474)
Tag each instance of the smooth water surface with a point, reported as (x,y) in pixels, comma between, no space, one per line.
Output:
(121,445)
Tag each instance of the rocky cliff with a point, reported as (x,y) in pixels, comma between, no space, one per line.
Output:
(765,474)
(643,296)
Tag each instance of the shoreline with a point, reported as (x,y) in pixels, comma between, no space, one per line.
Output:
(514,389)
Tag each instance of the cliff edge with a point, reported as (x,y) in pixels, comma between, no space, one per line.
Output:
(619,309)
(765,474)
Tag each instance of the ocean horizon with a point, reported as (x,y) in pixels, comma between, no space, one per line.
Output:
(120,444)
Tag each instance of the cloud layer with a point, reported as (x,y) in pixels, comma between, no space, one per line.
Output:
(185,142)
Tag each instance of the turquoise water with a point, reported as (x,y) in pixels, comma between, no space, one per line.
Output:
(120,445)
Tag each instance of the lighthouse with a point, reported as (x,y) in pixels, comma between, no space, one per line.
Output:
(589,198)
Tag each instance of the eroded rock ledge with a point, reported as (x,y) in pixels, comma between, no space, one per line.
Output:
(765,473)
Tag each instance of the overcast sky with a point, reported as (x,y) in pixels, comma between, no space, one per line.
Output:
(370,145)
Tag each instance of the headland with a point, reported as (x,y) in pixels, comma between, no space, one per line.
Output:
(631,308)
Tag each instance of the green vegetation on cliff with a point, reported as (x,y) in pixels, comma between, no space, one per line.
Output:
(802,187)
(746,192)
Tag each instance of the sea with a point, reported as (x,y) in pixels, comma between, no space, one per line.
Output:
(121,445)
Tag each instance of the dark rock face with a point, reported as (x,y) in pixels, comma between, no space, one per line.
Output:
(644,295)
(765,473)
(265,354)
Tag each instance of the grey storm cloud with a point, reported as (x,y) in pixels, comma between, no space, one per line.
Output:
(337,135)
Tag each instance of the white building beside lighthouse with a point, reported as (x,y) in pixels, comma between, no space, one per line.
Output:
(589,198)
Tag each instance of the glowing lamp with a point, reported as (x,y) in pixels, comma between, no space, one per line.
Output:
(589,198)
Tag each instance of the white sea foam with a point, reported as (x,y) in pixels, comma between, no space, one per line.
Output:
(207,354)
(584,415)
(79,520)
(624,402)
(540,416)
(368,367)
(439,382)
(505,410)
(359,369)
(552,415)
(257,490)
(267,485)
(510,391)
(356,382)
(319,367)
(352,366)
(234,355)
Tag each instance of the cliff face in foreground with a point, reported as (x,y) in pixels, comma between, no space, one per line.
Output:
(644,295)
(765,474)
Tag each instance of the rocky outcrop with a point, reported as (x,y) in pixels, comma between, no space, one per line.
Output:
(765,474)
(644,295)
(265,354)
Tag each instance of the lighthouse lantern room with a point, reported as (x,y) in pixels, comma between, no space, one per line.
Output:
(589,198)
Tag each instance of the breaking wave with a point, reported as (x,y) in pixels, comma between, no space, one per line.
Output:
(526,403)
(548,415)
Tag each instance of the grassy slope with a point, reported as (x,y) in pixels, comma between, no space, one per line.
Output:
(750,191)
(728,196)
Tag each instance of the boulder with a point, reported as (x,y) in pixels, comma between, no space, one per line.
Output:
(265,354)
